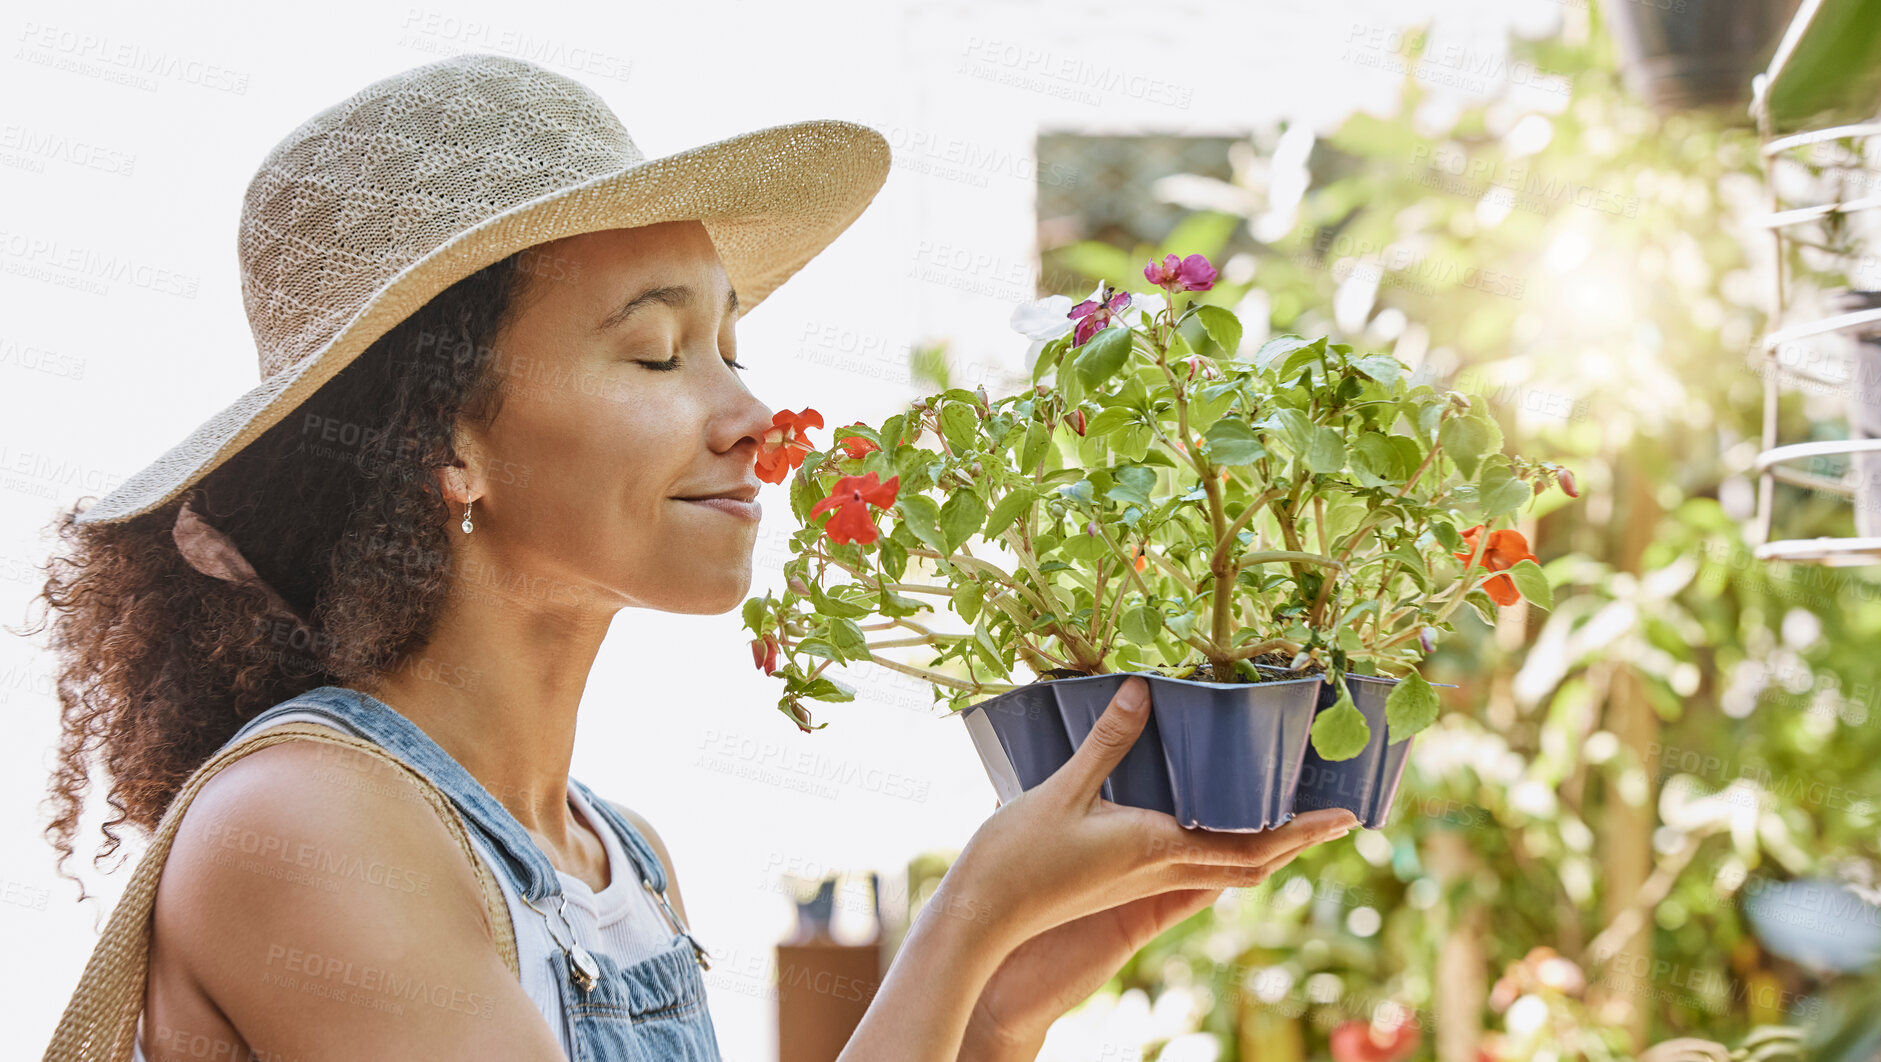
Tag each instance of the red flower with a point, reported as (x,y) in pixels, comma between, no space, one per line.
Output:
(784,446)
(1356,1041)
(1139,559)
(1173,274)
(851,499)
(1505,549)
(857,445)
(764,653)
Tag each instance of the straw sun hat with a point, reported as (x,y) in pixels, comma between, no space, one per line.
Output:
(383,200)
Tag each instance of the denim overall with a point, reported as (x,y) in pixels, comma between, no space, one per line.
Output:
(653,1010)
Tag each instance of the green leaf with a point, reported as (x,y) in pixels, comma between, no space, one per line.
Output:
(922,516)
(1109,420)
(822,688)
(960,425)
(819,647)
(803,496)
(1134,482)
(1037,439)
(754,611)
(1410,707)
(1007,510)
(1465,440)
(1374,461)
(1232,442)
(1340,732)
(832,606)
(848,639)
(1384,368)
(1142,624)
(1532,583)
(967,599)
(1082,491)
(1102,356)
(1502,492)
(1131,441)
(963,515)
(1276,348)
(1325,451)
(1223,327)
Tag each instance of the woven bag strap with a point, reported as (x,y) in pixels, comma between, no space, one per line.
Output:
(100,1021)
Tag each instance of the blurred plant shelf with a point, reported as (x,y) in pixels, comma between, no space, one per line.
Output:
(1819,93)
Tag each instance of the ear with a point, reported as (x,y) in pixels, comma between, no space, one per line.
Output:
(466,481)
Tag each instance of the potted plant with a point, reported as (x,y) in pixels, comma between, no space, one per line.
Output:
(1273,541)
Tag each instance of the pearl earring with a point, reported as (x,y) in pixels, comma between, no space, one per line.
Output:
(466,524)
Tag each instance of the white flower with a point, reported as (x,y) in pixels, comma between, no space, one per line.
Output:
(1041,322)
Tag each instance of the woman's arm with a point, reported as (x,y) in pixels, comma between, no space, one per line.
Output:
(920,1013)
(315,899)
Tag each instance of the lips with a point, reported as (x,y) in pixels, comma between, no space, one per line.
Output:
(731,506)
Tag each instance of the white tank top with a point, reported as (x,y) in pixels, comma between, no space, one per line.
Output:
(621,920)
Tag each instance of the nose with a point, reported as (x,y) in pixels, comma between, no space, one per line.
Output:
(742,423)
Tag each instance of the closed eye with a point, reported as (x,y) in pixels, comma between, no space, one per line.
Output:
(673,363)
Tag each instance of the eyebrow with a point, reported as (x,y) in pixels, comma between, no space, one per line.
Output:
(678,296)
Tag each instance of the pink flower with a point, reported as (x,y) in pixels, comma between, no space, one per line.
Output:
(1093,315)
(1174,274)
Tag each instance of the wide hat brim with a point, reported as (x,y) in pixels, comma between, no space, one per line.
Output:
(770,199)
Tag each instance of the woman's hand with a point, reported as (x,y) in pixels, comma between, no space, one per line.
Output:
(1079,884)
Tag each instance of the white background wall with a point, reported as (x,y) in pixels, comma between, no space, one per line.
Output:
(98,378)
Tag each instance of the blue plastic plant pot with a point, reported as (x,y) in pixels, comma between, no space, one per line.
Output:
(1217,756)
(1366,783)
(1235,749)
(1142,779)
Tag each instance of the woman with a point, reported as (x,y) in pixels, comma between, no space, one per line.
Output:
(500,403)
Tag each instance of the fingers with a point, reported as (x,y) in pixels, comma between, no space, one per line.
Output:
(1196,876)
(1104,747)
(1171,843)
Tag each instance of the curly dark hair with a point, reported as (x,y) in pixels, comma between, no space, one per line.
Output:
(337,507)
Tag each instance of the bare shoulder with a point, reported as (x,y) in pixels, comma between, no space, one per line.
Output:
(315,898)
(659,849)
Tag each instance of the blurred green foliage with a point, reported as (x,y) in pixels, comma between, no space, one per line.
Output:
(1594,271)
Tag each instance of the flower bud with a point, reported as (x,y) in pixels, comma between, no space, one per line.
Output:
(1041,389)
(1091,529)
(1075,418)
(798,585)
(1566,479)
(985,404)
(1428,639)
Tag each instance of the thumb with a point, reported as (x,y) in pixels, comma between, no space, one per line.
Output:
(1113,735)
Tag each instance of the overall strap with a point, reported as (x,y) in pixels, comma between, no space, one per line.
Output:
(647,861)
(378,722)
(100,1021)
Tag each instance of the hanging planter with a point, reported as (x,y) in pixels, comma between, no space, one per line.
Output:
(1242,532)
(1685,54)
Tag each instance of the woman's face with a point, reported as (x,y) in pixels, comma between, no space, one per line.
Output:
(619,400)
